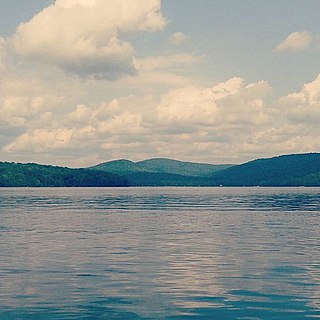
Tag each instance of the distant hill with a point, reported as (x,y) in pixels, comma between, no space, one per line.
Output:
(118,167)
(163,165)
(162,172)
(160,165)
(286,170)
(35,175)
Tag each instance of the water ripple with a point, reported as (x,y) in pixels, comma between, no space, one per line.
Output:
(160,253)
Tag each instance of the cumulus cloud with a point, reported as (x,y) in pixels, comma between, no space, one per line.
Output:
(165,61)
(41,140)
(231,121)
(15,111)
(303,106)
(83,36)
(178,38)
(295,41)
(295,123)
(80,114)
(193,119)
(83,128)
(125,123)
(230,102)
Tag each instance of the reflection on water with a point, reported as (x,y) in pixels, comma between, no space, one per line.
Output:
(160,253)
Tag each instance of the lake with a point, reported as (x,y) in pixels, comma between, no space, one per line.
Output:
(160,253)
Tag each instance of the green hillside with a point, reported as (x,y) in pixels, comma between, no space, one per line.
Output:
(118,166)
(160,165)
(35,175)
(286,170)
(162,172)
(163,165)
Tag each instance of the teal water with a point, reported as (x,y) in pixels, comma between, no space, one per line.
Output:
(160,253)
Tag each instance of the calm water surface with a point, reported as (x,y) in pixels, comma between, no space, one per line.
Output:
(160,253)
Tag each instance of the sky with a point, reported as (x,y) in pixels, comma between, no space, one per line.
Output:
(88,81)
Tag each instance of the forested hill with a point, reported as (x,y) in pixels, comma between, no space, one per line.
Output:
(286,170)
(35,175)
(162,172)
(161,165)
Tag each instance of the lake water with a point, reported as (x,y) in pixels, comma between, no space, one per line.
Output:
(160,253)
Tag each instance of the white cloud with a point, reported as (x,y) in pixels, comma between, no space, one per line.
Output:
(191,118)
(296,41)
(83,37)
(126,123)
(229,121)
(80,114)
(41,140)
(294,125)
(178,38)
(15,111)
(165,61)
(303,107)
(230,102)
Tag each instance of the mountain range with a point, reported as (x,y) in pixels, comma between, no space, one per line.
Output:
(285,170)
(162,172)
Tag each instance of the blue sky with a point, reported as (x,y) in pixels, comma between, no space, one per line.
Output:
(212,81)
